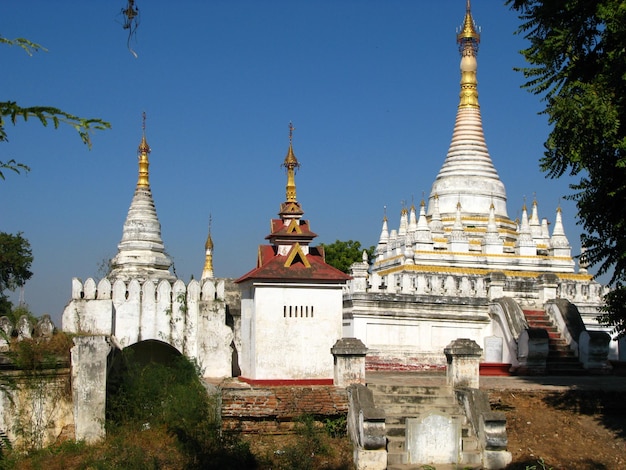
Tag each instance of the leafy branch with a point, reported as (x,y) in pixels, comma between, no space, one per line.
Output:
(13,166)
(25,44)
(11,111)
(46,115)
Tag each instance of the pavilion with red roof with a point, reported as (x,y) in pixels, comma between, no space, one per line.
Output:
(291,302)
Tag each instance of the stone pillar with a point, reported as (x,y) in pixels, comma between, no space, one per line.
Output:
(349,358)
(547,287)
(463,357)
(495,285)
(593,350)
(89,377)
(359,274)
(533,346)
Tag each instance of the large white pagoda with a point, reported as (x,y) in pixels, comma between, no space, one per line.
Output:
(461,268)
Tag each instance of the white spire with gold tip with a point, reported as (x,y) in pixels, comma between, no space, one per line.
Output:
(458,239)
(412,220)
(141,253)
(545,232)
(535,225)
(436,225)
(384,232)
(525,243)
(492,229)
(423,235)
(468,174)
(457,229)
(404,222)
(558,242)
(492,243)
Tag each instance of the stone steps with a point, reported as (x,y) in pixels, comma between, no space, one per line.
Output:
(390,399)
(561,359)
(402,402)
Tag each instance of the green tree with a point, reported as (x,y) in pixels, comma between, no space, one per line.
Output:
(341,254)
(16,258)
(577,64)
(10,111)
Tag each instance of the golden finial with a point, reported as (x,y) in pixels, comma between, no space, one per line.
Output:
(384,213)
(143,152)
(468,38)
(207,271)
(291,164)
(209,241)
(468,34)
(404,209)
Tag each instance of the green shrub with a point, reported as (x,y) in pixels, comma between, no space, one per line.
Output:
(171,395)
(337,426)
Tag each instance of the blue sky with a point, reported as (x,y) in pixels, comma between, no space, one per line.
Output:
(371,87)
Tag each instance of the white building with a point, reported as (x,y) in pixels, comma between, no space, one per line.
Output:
(291,303)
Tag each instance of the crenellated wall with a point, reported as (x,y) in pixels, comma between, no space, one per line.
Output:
(405,317)
(190,317)
(530,289)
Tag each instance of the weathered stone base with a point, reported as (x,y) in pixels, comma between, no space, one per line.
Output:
(370,459)
(496,459)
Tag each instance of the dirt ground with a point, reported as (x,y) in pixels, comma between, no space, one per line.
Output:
(565,430)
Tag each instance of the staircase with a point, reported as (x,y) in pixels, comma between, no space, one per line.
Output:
(561,359)
(405,401)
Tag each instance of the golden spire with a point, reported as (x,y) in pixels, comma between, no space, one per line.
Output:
(143,152)
(468,38)
(207,271)
(209,241)
(291,164)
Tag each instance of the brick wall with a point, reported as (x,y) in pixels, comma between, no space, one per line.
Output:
(271,410)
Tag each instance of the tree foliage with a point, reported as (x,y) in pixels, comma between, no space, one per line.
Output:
(577,63)
(11,112)
(342,254)
(16,258)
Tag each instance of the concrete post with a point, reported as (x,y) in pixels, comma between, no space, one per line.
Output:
(548,284)
(349,359)
(359,274)
(89,376)
(463,357)
(495,285)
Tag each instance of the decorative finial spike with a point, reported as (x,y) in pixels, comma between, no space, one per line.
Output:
(291,164)
(291,129)
(143,152)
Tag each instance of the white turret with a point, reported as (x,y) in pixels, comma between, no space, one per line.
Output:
(141,253)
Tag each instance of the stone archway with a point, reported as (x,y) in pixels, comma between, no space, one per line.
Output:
(132,364)
(94,360)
